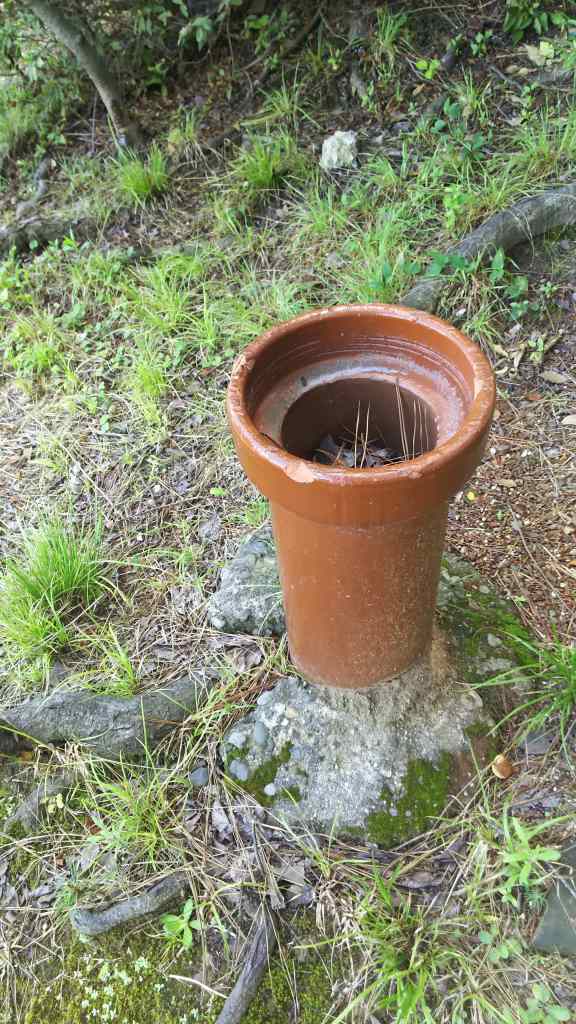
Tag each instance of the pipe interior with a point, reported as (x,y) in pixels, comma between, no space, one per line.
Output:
(359,415)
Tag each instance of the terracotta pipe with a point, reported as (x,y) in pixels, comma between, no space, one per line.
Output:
(359,550)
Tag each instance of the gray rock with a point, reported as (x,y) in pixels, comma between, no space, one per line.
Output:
(260,734)
(199,776)
(537,742)
(239,770)
(339,150)
(556,932)
(249,599)
(211,529)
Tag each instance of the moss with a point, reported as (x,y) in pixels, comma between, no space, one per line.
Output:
(274,1003)
(120,979)
(426,788)
(266,774)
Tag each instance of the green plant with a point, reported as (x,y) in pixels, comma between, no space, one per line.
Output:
(523,865)
(498,949)
(140,179)
(180,928)
(131,811)
(147,382)
(119,676)
(524,16)
(429,68)
(479,43)
(35,345)
(551,669)
(264,165)
(59,572)
(408,953)
(389,29)
(540,1008)
(183,137)
(267,30)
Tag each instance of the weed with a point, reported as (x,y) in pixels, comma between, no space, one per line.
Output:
(180,928)
(552,671)
(140,179)
(523,865)
(524,16)
(183,138)
(131,811)
(58,573)
(428,68)
(147,383)
(541,1008)
(119,676)
(389,29)
(408,954)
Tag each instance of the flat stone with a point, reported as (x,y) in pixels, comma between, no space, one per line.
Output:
(199,776)
(556,932)
(538,741)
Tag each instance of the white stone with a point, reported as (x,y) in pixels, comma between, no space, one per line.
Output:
(339,150)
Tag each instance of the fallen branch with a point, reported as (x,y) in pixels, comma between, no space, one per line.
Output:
(28,814)
(521,222)
(154,901)
(257,958)
(108,726)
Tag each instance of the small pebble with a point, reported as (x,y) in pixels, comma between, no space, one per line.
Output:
(236,739)
(239,769)
(199,777)
(260,734)
(270,789)
(494,641)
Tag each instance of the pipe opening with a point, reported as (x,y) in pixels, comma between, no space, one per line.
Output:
(359,424)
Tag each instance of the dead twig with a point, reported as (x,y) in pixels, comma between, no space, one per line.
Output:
(263,943)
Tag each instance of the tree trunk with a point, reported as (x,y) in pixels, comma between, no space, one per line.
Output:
(73,34)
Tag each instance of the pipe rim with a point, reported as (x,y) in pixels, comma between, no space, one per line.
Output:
(474,425)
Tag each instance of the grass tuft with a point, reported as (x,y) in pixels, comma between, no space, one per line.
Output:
(140,180)
(58,574)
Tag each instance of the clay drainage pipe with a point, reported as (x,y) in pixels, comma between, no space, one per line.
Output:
(359,545)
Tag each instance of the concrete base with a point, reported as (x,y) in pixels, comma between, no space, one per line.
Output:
(376,763)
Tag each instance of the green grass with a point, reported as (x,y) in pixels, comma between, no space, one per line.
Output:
(58,574)
(390,29)
(147,384)
(131,811)
(140,179)
(265,164)
(547,677)
(35,345)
